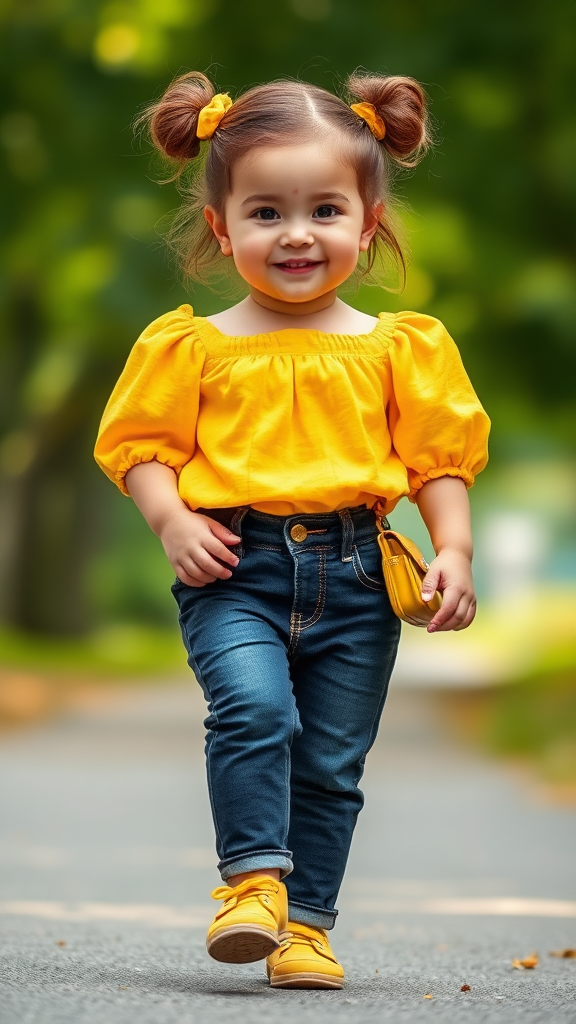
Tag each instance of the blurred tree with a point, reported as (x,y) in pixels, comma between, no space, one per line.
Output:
(492,229)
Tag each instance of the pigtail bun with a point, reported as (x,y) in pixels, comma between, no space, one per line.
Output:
(173,120)
(401,103)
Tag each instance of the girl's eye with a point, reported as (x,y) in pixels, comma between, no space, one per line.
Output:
(266,213)
(326,212)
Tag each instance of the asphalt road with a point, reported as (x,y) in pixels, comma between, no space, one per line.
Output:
(106,866)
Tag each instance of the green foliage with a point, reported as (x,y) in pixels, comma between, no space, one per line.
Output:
(530,717)
(83,268)
(536,718)
(111,652)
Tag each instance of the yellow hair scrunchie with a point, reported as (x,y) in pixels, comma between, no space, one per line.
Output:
(210,116)
(368,113)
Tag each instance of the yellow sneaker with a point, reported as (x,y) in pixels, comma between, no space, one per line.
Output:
(304,960)
(251,923)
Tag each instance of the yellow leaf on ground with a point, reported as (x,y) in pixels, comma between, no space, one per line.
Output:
(527,963)
(427,996)
(567,954)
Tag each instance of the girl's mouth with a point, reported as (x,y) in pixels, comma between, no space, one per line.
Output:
(297,266)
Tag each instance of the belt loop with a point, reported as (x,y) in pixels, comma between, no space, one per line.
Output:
(347,534)
(236,527)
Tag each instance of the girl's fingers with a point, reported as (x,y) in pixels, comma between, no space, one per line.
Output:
(208,566)
(450,602)
(430,584)
(222,532)
(200,571)
(457,618)
(216,547)
(457,610)
(468,617)
(190,580)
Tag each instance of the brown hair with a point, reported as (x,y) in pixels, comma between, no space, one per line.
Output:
(275,114)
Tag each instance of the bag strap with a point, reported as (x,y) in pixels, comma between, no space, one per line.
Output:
(409,546)
(378,509)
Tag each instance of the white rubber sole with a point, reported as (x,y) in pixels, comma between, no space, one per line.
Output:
(242,944)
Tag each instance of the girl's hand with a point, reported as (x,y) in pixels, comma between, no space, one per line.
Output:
(451,574)
(193,543)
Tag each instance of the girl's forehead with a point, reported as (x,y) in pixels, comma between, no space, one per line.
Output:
(294,167)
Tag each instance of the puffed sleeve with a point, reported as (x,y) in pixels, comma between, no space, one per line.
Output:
(437,423)
(153,409)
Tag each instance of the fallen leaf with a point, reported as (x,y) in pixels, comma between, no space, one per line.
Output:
(60,942)
(465,988)
(527,963)
(566,954)
(124,987)
(376,971)
(427,996)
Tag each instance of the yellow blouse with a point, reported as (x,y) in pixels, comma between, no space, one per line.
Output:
(296,420)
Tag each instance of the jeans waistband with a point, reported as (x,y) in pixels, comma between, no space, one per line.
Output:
(341,529)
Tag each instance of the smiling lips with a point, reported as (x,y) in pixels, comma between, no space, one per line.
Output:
(297,266)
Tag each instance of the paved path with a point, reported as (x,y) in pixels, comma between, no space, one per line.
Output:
(106,864)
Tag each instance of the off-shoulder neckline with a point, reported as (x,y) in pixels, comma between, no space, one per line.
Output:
(187,309)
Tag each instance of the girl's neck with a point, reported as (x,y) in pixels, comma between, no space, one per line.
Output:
(327,313)
(292,309)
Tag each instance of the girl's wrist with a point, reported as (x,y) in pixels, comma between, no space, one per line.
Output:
(464,549)
(167,516)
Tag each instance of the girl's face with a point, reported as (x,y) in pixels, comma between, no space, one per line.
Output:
(294,222)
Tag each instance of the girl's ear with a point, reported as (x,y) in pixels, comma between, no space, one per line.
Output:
(371,220)
(218,226)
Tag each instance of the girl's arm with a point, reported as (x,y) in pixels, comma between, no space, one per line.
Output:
(445,509)
(189,539)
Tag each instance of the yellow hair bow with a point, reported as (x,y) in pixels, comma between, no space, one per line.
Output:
(368,113)
(210,116)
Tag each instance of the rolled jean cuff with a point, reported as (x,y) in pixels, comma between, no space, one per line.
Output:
(253,861)
(315,916)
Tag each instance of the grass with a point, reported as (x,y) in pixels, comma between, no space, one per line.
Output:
(535,718)
(527,709)
(531,719)
(120,650)
(40,675)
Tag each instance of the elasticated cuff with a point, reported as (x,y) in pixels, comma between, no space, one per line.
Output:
(136,460)
(417,481)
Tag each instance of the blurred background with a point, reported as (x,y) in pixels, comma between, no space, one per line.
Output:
(84,586)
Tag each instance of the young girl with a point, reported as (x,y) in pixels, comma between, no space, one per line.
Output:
(257,443)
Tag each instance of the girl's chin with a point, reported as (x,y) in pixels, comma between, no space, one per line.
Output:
(292,298)
(297,289)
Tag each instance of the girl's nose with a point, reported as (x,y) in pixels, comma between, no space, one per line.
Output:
(297,234)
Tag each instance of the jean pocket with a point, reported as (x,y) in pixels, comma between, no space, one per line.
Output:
(368,569)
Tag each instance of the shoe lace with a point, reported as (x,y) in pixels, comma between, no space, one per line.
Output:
(306,935)
(249,887)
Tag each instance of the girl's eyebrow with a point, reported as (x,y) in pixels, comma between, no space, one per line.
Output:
(330,195)
(317,198)
(260,198)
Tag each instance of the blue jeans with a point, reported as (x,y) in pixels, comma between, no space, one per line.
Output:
(294,653)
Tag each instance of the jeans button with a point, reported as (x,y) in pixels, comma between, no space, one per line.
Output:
(298,532)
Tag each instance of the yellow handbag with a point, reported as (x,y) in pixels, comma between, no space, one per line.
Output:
(404,570)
